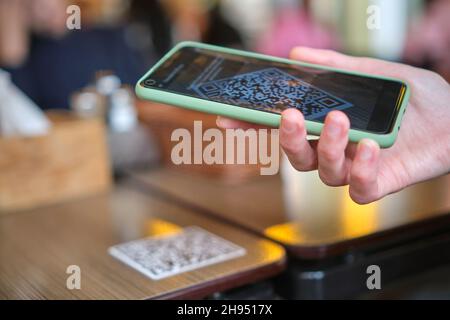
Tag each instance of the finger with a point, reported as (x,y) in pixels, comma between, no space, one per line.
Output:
(294,143)
(333,166)
(361,64)
(227,123)
(364,187)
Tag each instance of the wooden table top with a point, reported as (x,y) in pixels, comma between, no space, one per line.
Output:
(37,246)
(296,209)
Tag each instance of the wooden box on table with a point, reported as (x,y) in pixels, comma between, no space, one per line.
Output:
(71,161)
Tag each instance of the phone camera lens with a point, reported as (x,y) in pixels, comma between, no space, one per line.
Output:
(150,82)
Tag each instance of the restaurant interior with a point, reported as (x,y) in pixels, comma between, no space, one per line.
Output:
(87,170)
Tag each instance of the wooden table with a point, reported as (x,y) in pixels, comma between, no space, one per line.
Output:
(312,220)
(331,240)
(37,246)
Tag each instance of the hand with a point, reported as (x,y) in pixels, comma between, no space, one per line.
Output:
(421,152)
(13,33)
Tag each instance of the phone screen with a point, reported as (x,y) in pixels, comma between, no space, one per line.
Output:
(269,86)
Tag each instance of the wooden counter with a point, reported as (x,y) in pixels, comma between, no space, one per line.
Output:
(312,220)
(37,246)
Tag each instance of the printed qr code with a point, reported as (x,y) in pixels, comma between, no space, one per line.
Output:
(272,90)
(165,256)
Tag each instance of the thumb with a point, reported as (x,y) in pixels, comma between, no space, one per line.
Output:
(338,60)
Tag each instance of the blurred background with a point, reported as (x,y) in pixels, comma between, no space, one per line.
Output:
(49,62)
(71,126)
(88,73)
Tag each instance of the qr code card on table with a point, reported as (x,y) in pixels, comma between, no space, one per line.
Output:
(164,256)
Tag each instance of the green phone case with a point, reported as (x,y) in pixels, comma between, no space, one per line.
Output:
(255,116)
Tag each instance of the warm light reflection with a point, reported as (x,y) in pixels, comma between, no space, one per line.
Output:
(358,219)
(288,233)
(271,251)
(158,227)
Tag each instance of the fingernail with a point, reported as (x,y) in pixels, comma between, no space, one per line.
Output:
(288,126)
(222,122)
(366,151)
(333,129)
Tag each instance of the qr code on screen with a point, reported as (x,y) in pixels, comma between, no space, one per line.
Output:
(165,256)
(271,90)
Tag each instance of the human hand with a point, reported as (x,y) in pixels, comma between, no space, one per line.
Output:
(421,151)
(13,33)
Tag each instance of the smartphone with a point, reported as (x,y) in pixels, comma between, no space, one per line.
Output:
(257,88)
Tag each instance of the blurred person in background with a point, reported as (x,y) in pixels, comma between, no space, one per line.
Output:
(48,61)
(293,25)
(149,28)
(428,43)
(171,21)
